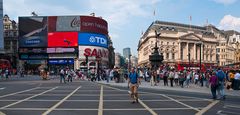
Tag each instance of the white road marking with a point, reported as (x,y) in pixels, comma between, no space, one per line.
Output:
(1,113)
(2,88)
(232,106)
(100,107)
(18,92)
(227,112)
(27,98)
(180,102)
(76,109)
(60,102)
(144,105)
(207,108)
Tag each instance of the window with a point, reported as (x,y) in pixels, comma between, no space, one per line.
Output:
(210,57)
(161,42)
(173,56)
(167,55)
(167,43)
(173,43)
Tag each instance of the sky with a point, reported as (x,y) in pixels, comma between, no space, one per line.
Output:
(127,19)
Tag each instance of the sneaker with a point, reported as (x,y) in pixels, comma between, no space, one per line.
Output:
(133,102)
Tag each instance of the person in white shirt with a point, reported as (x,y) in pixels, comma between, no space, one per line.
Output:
(237,81)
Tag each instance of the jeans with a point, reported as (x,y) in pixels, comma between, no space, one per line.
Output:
(213,90)
(221,89)
(187,82)
(62,78)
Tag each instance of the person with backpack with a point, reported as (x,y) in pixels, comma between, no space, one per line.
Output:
(221,77)
(133,83)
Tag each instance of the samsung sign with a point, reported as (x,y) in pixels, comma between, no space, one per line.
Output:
(92,40)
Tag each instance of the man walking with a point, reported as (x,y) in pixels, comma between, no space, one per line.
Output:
(221,77)
(133,82)
(62,77)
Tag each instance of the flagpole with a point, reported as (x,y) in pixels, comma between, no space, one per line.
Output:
(190,22)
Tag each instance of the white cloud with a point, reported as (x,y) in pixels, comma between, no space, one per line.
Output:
(119,12)
(225,2)
(229,22)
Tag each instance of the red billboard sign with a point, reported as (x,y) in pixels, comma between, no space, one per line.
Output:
(93,52)
(63,39)
(77,23)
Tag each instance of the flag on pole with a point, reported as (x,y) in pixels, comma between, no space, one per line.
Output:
(190,18)
(154,12)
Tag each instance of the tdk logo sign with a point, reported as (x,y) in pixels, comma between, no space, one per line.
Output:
(90,39)
(98,40)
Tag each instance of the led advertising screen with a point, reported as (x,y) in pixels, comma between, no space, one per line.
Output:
(77,23)
(63,39)
(61,61)
(33,31)
(33,56)
(92,39)
(93,52)
(32,50)
(62,50)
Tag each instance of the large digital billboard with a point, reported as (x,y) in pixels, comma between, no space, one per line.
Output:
(93,52)
(92,39)
(77,23)
(33,31)
(63,39)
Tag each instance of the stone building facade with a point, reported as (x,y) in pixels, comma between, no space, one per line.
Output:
(182,44)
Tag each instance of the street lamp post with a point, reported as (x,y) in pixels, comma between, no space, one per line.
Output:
(98,59)
(129,62)
(68,42)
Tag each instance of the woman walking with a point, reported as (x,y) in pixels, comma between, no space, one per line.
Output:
(213,82)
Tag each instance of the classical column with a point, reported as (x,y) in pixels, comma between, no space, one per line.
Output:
(187,50)
(194,52)
(179,50)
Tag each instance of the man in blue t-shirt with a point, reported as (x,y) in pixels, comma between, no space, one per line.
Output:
(221,78)
(133,81)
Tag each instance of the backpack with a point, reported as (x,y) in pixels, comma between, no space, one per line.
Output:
(220,75)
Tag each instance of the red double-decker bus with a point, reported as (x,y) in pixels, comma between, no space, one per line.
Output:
(4,64)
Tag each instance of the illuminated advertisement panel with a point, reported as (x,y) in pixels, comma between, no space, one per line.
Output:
(93,24)
(33,56)
(92,39)
(33,31)
(77,23)
(63,39)
(61,61)
(32,50)
(92,52)
(61,50)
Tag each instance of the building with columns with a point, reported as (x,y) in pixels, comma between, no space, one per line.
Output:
(181,44)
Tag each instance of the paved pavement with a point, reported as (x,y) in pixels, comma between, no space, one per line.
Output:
(23,97)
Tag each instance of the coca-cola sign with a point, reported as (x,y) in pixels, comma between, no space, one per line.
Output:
(77,23)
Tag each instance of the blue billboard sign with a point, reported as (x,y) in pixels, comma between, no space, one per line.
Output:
(90,39)
(61,61)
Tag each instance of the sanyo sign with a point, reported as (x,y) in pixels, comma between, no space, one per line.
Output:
(92,39)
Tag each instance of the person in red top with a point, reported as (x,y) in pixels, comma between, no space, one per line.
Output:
(213,82)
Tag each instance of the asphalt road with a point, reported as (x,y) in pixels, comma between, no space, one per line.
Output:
(33,97)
